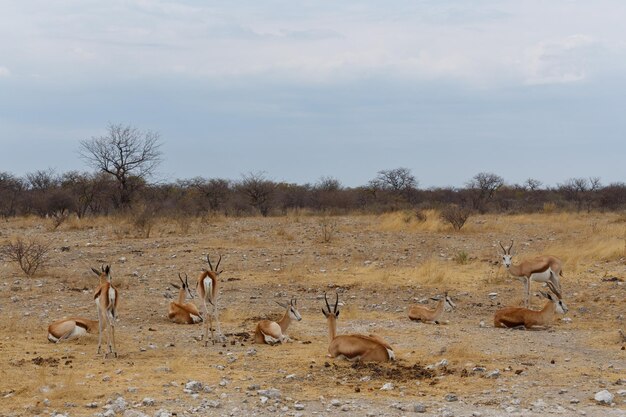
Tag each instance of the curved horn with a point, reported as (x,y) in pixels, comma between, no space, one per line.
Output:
(554,290)
(209,261)
(218,263)
(327,305)
(175,286)
(510,246)
(95,271)
(186,280)
(336,309)
(181,279)
(502,247)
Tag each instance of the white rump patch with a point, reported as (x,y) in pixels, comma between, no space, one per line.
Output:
(392,356)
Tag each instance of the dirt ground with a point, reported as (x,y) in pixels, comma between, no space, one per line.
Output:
(379,265)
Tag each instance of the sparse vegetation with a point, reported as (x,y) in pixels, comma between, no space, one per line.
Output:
(455,215)
(29,254)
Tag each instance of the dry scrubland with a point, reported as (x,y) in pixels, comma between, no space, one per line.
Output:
(379,265)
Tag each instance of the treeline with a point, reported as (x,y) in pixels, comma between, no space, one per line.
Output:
(59,195)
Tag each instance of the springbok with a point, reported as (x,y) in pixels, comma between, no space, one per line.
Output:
(424,314)
(106,297)
(354,347)
(272,332)
(180,312)
(207,290)
(543,268)
(71,328)
(518,316)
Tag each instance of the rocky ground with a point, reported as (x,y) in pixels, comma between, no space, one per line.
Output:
(462,368)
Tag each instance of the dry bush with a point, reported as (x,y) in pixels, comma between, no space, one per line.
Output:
(143,220)
(455,215)
(328,228)
(409,220)
(30,255)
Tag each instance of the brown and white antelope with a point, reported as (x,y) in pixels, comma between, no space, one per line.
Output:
(518,316)
(424,314)
(543,268)
(207,288)
(71,328)
(106,297)
(272,332)
(181,312)
(354,347)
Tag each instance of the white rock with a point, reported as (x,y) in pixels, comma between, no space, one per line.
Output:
(193,386)
(335,402)
(148,402)
(603,397)
(388,386)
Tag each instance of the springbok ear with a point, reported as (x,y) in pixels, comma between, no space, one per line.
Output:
(324,312)
(107,270)
(337,314)
(95,271)
(218,273)
(175,286)
(283,305)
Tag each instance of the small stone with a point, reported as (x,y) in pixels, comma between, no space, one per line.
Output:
(451,398)
(298,406)
(345,407)
(134,413)
(162,413)
(493,374)
(441,363)
(574,401)
(264,399)
(603,397)
(419,408)
(91,405)
(335,402)
(622,393)
(388,386)
(132,390)
(148,402)
(224,382)
(193,386)
(254,387)
(251,352)
(270,393)
(213,404)
(118,405)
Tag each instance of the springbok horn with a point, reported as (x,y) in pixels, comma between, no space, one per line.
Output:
(336,309)
(502,247)
(218,263)
(209,261)
(327,305)
(510,247)
(181,279)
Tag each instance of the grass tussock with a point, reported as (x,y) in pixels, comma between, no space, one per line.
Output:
(410,220)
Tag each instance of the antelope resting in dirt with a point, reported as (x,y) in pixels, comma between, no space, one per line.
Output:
(72,328)
(518,316)
(540,269)
(424,314)
(272,332)
(181,312)
(354,347)
(106,297)
(207,290)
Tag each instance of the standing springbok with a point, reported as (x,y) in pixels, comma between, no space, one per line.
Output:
(354,347)
(543,268)
(71,328)
(272,332)
(106,297)
(180,312)
(207,290)
(424,314)
(518,316)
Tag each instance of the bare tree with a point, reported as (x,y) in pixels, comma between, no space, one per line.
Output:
(483,187)
(532,184)
(259,191)
(10,189)
(125,152)
(399,181)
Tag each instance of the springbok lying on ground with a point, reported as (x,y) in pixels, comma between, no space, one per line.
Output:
(424,314)
(354,347)
(71,328)
(272,332)
(180,312)
(518,316)
(539,269)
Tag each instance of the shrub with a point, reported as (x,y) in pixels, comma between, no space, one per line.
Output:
(461,257)
(328,228)
(28,254)
(455,215)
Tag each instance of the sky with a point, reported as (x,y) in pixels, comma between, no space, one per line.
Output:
(300,90)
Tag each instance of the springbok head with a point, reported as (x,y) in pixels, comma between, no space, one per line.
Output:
(331,312)
(561,308)
(184,285)
(506,256)
(104,273)
(215,270)
(292,309)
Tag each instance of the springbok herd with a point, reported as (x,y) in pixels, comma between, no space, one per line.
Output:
(544,269)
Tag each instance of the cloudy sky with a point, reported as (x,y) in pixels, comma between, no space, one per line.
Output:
(305,89)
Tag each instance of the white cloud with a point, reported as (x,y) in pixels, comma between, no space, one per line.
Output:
(562,60)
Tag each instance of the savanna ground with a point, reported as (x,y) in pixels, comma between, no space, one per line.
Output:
(379,266)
